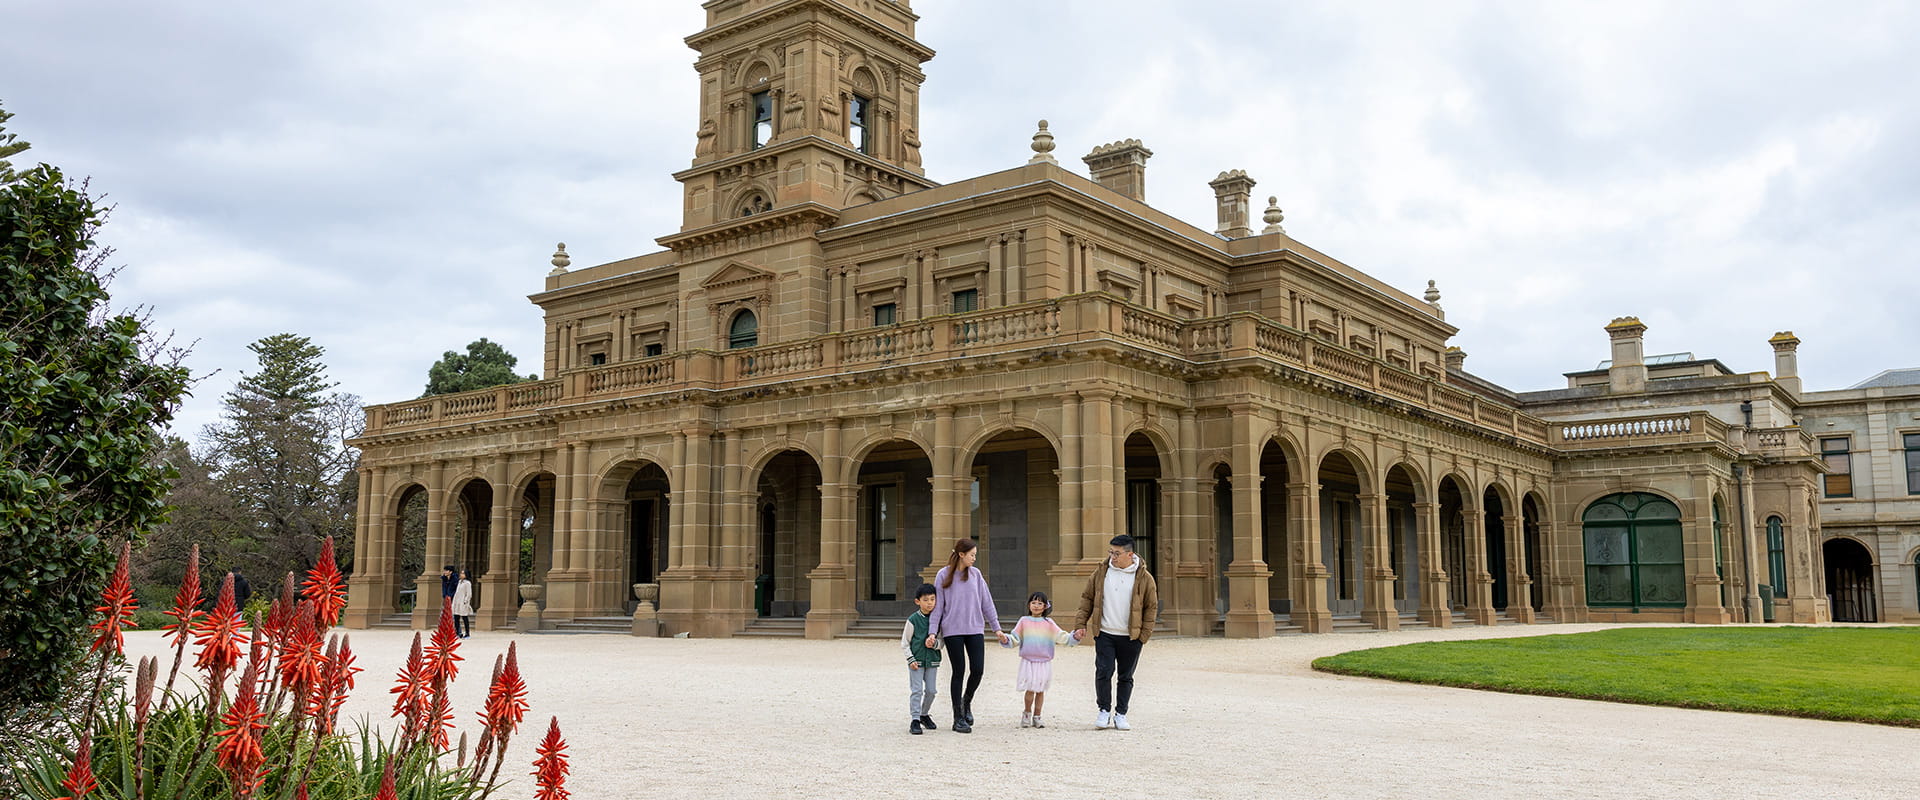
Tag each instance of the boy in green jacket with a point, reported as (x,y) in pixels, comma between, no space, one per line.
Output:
(923,663)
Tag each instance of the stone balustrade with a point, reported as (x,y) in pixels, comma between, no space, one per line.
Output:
(1050,323)
(1652,430)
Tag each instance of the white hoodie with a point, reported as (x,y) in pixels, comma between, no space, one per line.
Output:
(1116,598)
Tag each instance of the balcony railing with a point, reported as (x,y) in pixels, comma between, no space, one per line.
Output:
(1049,323)
(1653,430)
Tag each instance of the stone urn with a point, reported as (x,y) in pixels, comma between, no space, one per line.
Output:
(529,616)
(646,621)
(532,592)
(647,593)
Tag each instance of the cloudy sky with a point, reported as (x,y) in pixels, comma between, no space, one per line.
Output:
(389,179)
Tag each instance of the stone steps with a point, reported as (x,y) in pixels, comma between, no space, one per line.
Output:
(775,628)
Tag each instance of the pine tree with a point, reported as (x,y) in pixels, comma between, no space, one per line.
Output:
(485,364)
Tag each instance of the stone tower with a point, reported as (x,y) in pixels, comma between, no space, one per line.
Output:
(804,102)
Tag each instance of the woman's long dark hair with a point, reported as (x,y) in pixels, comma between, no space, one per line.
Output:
(960,548)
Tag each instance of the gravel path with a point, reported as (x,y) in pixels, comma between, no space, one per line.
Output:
(693,718)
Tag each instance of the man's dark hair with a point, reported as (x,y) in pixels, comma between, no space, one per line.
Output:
(1122,540)
(924,590)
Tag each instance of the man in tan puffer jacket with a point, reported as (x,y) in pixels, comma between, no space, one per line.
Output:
(1118,607)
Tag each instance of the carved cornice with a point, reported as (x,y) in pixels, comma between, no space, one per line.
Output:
(802,220)
(770,15)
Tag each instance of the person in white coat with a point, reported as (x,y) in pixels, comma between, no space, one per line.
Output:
(463,606)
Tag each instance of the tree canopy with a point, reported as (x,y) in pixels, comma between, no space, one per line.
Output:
(84,393)
(485,364)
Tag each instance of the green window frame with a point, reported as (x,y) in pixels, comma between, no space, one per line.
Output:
(883,314)
(966,301)
(1837,452)
(883,520)
(744,332)
(1635,552)
(1911,441)
(1777,555)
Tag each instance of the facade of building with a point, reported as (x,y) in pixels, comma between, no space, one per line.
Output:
(1869,499)
(837,368)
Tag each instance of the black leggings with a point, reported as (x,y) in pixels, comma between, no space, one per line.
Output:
(961,650)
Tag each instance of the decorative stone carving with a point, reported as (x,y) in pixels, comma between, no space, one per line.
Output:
(560,260)
(1043,146)
(1273,217)
(708,131)
(910,143)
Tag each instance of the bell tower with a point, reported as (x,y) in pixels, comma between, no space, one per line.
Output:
(804,102)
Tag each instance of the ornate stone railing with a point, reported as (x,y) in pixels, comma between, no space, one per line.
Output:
(1058,322)
(1652,430)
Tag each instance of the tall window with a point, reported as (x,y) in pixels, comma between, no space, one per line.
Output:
(1912,442)
(1836,451)
(744,332)
(762,119)
(966,300)
(1143,513)
(882,520)
(860,123)
(883,314)
(1777,556)
(1634,552)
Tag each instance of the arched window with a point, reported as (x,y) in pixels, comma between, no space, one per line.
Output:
(1777,556)
(1634,552)
(744,332)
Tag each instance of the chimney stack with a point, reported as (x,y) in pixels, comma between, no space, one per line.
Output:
(1456,360)
(1121,166)
(1786,360)
(1233,192)
(1628,372)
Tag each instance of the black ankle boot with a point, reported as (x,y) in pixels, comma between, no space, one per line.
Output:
(926,721)
(967,712)
(960,722)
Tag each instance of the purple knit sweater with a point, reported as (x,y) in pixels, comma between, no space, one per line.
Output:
(964,608)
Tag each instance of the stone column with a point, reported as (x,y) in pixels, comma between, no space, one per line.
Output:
(1192,605)
(1249,611)
(1433,574)
(687,601)
(499,595)
(1100,476)
(1479,581)
(1308,568)
(1069,575)
(832,596)
(1376,572)
(426,598)
(948,482)
(369,588)
(1754,546)
(1703,581)
(1519,583)
(569,583)
(734,586)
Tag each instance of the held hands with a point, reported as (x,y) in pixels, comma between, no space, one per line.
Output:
(1079,633)
(1003,637)
(932,642)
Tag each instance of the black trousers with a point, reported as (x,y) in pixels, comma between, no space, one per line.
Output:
(960,651)
(1110,650)
(462,624)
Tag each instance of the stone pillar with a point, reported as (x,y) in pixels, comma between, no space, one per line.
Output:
(1249,612)
(1100,476)
(1703,580)
(1519,583)
(1753,545)
(948,482)
(1478,580)
(569,583)
(426,598)
(499,596)
(1192,603)
(1433,574)
(1628,372)
(733,587)
(1069,575)
(832,586)
(687,601)
(1376,572)
(1307,570)
(1786,361)
(369,590)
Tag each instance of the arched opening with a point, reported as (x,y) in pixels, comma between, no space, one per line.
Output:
(1340,542)
(1535,544)
(894,518)
(1403,541)
(753,203)
(1273,526)
(788,534)
(1012,509)
(1495,521)
(644,553)
(534,555)
(409,547)
(1634,552)
(472,524)
(1453,543)
(1143,501)
(1849,581)
(1776,559)
(1222,534)
(744,331)
(1720,553)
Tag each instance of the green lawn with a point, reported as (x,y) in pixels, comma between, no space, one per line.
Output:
(1857,674)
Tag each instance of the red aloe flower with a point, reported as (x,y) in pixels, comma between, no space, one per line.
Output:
(550,768)
(186,602)
(79,781)
(117,606)
(386,784)
(302,659)
(414,690)
(325,588)
(506,698)
(324,704)
(239,752)
(218,636)
(442,656)
(279,615)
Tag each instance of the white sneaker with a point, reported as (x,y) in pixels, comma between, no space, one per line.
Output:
(1103,721)
(1026,720)
(1037,723)
(1120,723)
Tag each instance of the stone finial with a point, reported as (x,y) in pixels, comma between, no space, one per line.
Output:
(1273,217)
(1042,146)
(560,260)
(1433,299)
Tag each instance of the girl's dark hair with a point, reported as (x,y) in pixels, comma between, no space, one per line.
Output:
(1042,597)
(960,548)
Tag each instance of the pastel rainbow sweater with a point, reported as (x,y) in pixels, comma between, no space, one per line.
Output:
(1036,637)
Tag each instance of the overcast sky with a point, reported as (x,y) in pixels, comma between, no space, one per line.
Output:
(389,178)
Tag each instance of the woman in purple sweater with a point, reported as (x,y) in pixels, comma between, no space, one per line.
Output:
(960,619)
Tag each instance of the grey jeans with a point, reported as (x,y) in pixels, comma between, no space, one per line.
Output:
(924,684)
